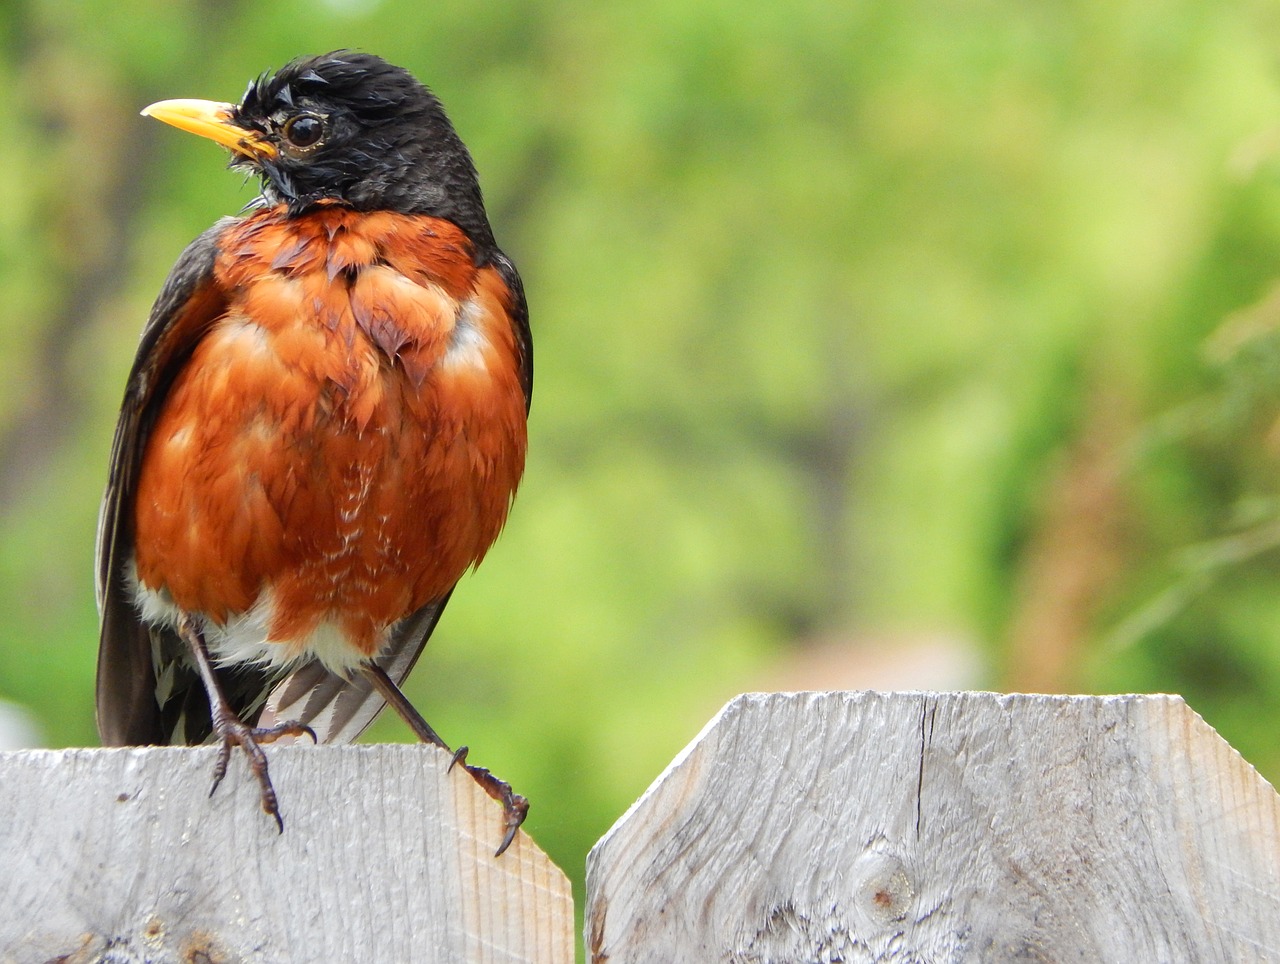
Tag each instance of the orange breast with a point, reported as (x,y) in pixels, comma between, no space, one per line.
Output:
(347,436)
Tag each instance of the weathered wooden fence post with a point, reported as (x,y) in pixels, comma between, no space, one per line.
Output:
(915,827)
(119,856)
(802,827)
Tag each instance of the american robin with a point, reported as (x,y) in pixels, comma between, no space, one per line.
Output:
(323,429)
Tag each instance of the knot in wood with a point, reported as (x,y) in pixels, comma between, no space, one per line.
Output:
(883,890)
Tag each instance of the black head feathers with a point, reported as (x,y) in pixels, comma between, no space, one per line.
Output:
(352,128)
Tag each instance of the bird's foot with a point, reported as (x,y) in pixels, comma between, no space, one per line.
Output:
(514,807)
(231,732)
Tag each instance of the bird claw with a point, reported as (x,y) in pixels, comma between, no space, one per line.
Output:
(459,756)
(231,732)
(514,807)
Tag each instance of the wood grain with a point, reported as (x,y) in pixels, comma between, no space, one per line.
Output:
(121,856)
(853,827)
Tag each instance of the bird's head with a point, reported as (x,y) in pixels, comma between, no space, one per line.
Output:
(344,127)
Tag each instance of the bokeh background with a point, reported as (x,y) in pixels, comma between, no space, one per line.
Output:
(880,343)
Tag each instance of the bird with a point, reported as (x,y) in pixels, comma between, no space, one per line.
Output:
(322,430)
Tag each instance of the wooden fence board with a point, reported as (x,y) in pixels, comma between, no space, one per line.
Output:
(835,827)
(120,856)
(917,827)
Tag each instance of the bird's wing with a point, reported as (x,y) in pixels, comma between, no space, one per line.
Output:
(518,311)
(337,708)
(146,691)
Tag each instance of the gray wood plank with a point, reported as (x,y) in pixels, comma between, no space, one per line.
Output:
(916,827)
(121,856)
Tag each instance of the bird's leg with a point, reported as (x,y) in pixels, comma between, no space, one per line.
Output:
(231,731)
(514,807)
(400,703)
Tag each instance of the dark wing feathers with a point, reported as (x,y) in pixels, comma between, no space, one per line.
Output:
(339,709)
(129,653)
(519,323)
(188,295)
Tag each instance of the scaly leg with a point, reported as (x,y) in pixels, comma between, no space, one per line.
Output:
(229,729)
(514,807)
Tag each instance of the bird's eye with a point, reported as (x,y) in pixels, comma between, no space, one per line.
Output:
(305,130)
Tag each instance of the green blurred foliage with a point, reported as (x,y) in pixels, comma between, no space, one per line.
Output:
(831,302)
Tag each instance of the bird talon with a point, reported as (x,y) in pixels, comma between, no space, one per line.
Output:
(515,809)
(459,756)
(220,768)
(231,732)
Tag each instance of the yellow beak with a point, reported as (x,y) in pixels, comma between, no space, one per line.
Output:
(212,120)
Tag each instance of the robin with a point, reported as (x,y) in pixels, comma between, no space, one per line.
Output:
(323,429)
